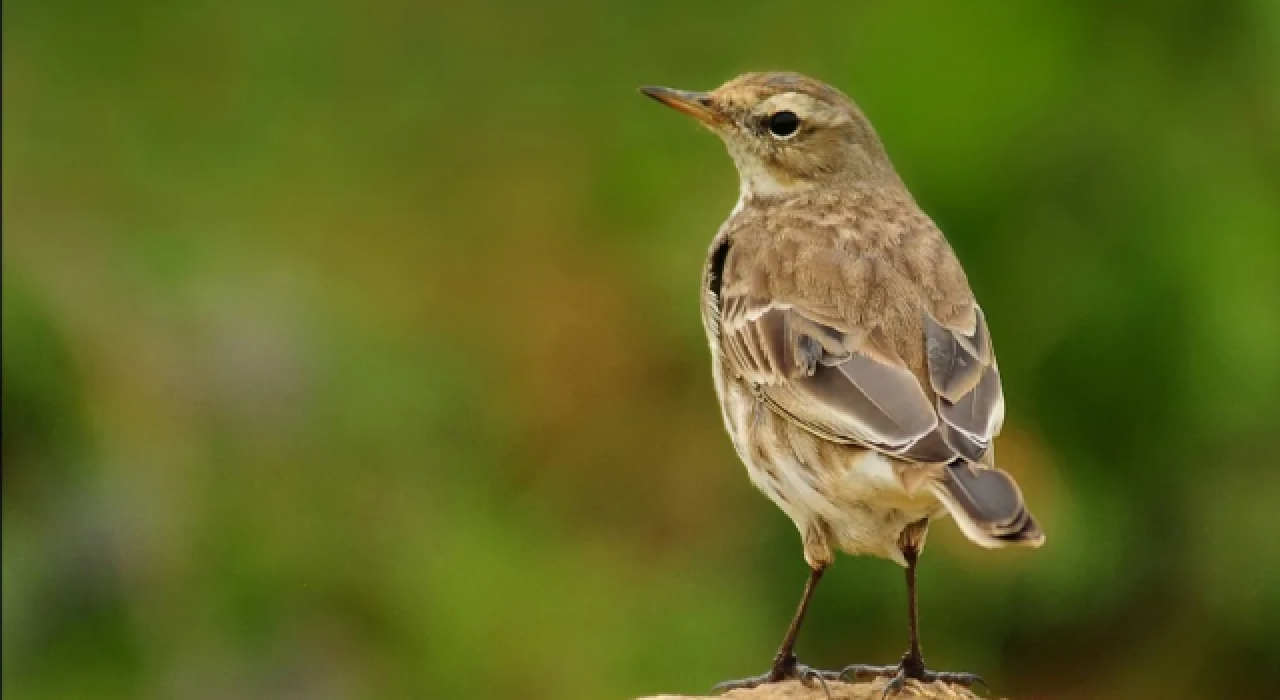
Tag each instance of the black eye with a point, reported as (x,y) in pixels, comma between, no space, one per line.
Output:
(783,124)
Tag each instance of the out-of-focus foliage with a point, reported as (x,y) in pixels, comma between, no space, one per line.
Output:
(351,348)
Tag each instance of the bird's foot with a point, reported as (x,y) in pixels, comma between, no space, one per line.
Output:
(911,667)
(784,669)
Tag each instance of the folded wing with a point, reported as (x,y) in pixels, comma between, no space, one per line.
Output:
(847,385)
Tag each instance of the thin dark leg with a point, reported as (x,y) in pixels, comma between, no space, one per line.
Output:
(913,661)
(784,662)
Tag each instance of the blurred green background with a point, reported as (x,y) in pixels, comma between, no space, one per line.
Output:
(351,349)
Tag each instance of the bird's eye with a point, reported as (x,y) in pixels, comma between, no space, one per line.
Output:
(784,124)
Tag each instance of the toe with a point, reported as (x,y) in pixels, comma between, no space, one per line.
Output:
(894,686)
(726,686)
(967,680)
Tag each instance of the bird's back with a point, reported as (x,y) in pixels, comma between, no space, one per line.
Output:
(863,258)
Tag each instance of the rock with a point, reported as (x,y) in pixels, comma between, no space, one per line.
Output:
(835,690)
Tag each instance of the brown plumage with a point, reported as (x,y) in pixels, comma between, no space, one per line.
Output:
(855,369)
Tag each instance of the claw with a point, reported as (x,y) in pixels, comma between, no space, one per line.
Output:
(894,685)
(899,674)
(726,686)
(957,678)
(791,670)
(808,675)
(751,682)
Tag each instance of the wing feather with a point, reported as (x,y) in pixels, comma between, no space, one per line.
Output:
(859,391)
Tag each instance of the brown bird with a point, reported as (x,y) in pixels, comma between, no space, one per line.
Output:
(854,368)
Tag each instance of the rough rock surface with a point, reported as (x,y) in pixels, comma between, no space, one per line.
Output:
(794,690)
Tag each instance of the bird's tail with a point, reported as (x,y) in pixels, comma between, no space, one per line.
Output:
(987,505)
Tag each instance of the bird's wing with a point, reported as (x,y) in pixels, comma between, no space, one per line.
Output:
(846,382)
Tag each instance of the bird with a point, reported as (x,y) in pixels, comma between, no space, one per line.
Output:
(854,368)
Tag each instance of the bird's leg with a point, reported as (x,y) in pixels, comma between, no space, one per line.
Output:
(912,663)
(785,665)
(913,660)
(785,660)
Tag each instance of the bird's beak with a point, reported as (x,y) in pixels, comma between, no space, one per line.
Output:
(699,105)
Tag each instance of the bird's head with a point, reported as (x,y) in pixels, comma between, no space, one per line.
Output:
(786,132)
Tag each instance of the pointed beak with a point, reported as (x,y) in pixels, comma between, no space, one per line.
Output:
(699,105)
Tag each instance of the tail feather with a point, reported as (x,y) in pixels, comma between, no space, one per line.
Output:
(987,505)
